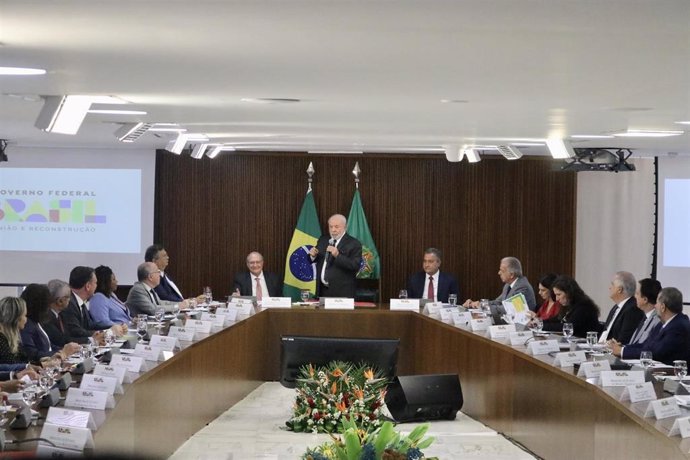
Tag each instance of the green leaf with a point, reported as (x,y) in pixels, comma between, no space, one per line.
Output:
(425,443)
(352,445)
(418,432)
(383,438)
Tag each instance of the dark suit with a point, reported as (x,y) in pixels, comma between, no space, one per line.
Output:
(667,344)
(447,284)
(341,271)
(58,336)
(165,290)
(34,344)
(77,321)
(244,281)
(626,322)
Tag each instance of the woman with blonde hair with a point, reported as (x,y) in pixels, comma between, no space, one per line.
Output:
(12,321)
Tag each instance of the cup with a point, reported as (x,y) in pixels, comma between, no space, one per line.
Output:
(567,331)
(452,300)
(304,295)
(680,368)
(402,294)
(592,338)
(646,359)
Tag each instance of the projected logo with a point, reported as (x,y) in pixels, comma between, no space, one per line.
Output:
(300,263)
(56,211)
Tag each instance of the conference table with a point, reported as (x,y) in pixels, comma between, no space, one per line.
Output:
(549,410)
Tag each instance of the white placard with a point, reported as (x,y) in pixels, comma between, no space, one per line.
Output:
(131,363)
(100,383)
(520,337)
(432,308)
(68,437)
(119,372)
(68,417)
(199,326)
(238,301)
(404,305)
(501,332)
(447,314)
(89,399)
(592,369)
(663,408)
(461,318)
(277,302)
(148,352)
(680,426)
(339,303)
(621,378)
(164,342)
(230,313)
(569,358)
(218,319)
(480,324)
(639,392)
(543,347)
(181,333)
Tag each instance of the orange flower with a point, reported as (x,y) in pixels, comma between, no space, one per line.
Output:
(337,372)
(340,406)
(359,393)
(334,388)
(311,371)
(369,374)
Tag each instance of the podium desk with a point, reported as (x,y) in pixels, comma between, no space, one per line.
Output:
(551,411)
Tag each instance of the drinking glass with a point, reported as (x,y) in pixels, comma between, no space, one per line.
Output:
(592,338)
(680,368)
(484,307)
(85,351)
(45,380)
(4,411)
(645,359)
(160,315)
(142,327)
(536,325)
(304,295)
(453,300)
(567,331)
(208,295)
(402,294)
(29,395)
(109,338)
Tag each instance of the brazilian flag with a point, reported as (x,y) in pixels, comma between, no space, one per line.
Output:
(358,227)
(300,272)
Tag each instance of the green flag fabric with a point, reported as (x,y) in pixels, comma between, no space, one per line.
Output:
(358,227)
(299,269)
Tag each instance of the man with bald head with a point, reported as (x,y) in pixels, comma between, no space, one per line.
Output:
(257,282)
(142,298)
(338,257)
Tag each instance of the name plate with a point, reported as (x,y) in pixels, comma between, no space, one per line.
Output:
(148,352)
(592,369)
(217,319)
(339,303)
(68,437)
(101,383)
(569,358)
(131,363)
(238,301)
(480,324)
(229,312)
(199,326)
(433,308)
(89,399)
(181,333)
(461,318)
(621,378)
(447,314)
(680,426)
(277,302)
(639,392)
(67,417)
(119,372)
(543,347)
(520,338)
(404,305)
(663,408)
(501,332)
(164,342)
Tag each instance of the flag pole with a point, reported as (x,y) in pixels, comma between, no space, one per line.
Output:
(356,172)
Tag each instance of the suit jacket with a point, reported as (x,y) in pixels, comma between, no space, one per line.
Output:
(667,344)
(341,271)
(645,328)
(447,284)
(139,301)
(244,281)
(165,290)
(77,324)
(35,344)
(626,322)
(58,338)
(522,286)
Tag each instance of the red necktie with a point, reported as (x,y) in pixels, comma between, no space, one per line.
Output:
(430,291)
(258,289)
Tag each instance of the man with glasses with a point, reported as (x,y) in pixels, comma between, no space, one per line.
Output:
(142,298)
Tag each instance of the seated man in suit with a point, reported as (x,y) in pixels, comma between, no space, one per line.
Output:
(257,282)
(646,294)
(510,272)
(60,295)
(75,318)
(624,316)
(431,283)
(142,298)
(670,340)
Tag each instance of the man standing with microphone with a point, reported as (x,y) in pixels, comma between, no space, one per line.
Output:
(338,257)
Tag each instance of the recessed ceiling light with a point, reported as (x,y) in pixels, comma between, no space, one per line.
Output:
(591,136)
(528,144)
(645,133)
(683,122)
(454,101)
(21,71)
(117,112)
(270,100)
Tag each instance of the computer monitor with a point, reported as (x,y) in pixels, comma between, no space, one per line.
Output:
(299,351)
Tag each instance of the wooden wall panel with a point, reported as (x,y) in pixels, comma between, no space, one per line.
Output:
(211,213)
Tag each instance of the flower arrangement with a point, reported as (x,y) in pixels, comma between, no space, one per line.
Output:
(326,395)
(381,444)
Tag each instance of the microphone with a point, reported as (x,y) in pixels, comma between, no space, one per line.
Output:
(331,242)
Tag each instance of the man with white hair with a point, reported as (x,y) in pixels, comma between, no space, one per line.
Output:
(514,282)
(338,257)
(624,315)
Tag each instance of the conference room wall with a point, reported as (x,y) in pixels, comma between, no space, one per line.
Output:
(210,214)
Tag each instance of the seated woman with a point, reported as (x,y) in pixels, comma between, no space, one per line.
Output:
(12,320)
(35,343)
(105,308)
(577,308)
(550,308)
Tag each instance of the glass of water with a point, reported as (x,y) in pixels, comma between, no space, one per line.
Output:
(567,331)
(453,299)
(142,327)
(680,368)
(536,325)
(592,338)
(402,294)
(645,359)
(208,295)
(304,295)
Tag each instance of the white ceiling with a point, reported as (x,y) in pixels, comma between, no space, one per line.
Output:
(371,76)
